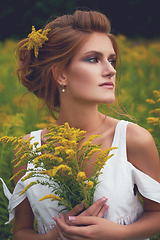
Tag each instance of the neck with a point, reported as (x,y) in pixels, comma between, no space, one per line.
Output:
(86,118)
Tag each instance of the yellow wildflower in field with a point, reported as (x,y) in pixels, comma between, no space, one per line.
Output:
(154,120)
(151,101)
(156,93)
(156,111)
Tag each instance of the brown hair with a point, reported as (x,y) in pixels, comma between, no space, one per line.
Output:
(68,33)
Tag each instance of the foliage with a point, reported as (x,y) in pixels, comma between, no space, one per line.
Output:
(61,167)
(155,121)
(20,113)
(155,118)
(18,16)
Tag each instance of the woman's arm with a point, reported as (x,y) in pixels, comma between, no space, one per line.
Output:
(24,220)
(143,154)
(24,225)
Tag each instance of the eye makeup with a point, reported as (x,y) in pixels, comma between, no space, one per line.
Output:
(95,57)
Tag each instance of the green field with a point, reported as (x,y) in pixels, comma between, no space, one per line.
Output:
(20,114)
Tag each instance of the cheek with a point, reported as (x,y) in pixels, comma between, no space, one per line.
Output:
(80,77)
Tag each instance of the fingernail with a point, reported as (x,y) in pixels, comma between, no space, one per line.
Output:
(72,218)
(103,200)
(106,206)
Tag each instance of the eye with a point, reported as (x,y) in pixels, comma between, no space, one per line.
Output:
(92,60)
(112,62)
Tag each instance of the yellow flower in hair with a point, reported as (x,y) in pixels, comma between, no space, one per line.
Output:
(36,40)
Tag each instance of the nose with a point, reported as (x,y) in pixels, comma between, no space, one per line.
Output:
(108,69)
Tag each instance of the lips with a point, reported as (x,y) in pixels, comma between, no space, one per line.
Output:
(107,84)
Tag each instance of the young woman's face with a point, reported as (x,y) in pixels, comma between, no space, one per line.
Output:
(90,76)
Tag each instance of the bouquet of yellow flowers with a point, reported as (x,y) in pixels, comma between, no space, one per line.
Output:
(61,164)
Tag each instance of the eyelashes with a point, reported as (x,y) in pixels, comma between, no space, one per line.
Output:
(92,60)
(112,62)
(96,60)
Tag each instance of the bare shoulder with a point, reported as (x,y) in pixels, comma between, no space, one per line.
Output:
(142,151)
(138,136)
(26,137)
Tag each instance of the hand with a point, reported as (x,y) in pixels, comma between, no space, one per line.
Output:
(89,228)
(97,209)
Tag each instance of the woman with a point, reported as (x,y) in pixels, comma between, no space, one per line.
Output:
(74,71)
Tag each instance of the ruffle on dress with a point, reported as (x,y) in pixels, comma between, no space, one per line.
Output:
(147,186)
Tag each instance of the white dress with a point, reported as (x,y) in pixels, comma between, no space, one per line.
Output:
(117,184)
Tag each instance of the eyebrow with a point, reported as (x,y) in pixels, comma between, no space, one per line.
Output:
(99,53)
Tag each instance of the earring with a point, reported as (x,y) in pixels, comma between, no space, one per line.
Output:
(63,90)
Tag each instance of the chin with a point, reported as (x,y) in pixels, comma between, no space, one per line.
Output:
(108,100)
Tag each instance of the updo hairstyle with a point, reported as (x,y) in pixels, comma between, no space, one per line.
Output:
(68,33)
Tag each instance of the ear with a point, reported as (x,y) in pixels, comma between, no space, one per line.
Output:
(60,78)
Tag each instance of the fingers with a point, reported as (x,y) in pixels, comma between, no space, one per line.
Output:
(83,221)
(102,211)
(96,209)
(77,209)
(69,232)
(61,237)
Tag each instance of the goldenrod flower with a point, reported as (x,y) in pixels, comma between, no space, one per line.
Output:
(27,187)
(62,163)
(52,172)
(45,156)
(90,154)
(156,93)
(156,111)
(89,185)
(153,120)
(58,150)
(36,40)
(151,101)
(81,176)
(51,196)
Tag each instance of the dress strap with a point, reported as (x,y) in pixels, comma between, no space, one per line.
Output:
(120,133)
(36,138)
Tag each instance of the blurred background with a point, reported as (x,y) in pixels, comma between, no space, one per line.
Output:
(132,18)
(136,26)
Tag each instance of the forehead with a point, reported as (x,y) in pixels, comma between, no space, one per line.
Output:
(97,42)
